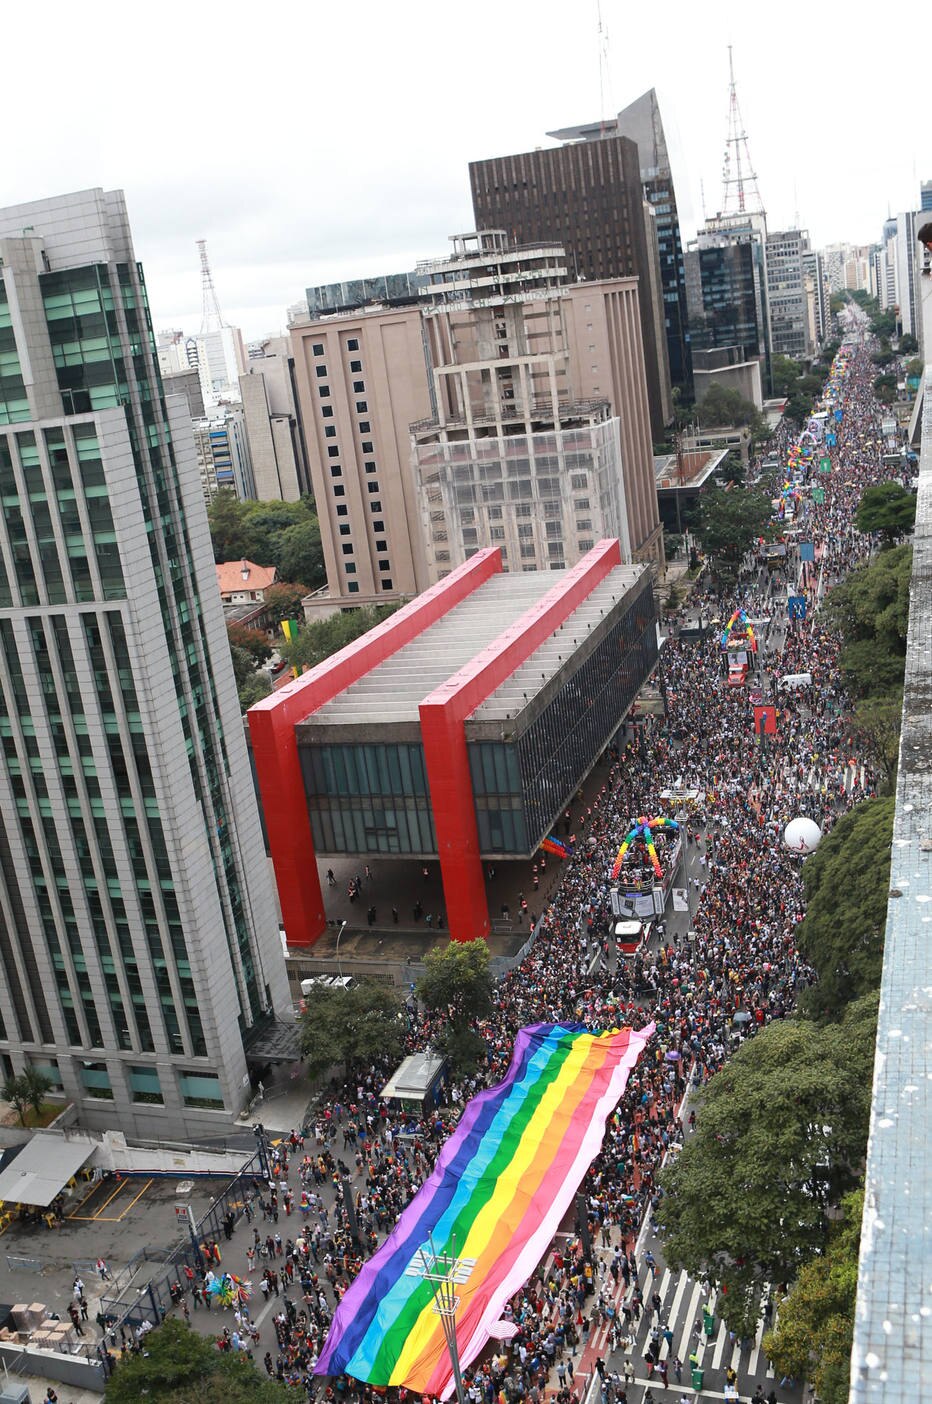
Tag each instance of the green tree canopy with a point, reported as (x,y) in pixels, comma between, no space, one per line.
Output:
(781,1133)
(326,636)
(351,1026)
(457,986)
(728,523)
(179,1366)
(812,1339)
(878,721)
(226,517)
(870,610)
(908,344)
(888,508)
(252,690)
(300,555)
(722,406)
(846,882)
(251,641)
(283,601)
(784,373)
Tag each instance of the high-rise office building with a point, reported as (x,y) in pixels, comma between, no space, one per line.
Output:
(925,195)
(786,293)
(586,196)
(224,460)
(139,949)
(273,422)
(526,450)
(641,122)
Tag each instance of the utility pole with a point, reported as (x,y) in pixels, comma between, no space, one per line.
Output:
(445,1272)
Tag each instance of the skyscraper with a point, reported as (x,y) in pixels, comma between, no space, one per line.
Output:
(641,122)
(138,936)
(586,196)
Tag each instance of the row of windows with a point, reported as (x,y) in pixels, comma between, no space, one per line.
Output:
(197,1089)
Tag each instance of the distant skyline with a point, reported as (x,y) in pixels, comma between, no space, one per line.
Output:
(309,144)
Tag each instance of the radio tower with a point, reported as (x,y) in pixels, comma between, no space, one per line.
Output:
(212,317)
(740,194)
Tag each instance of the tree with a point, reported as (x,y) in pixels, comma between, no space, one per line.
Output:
(885,389)
(457,986)
(36,1086)
(908,344)
(729,523)
(870,610)
(721,406)
(327,636)
(784,373)
(226,517)
(244,665)
(798,408)
(812,1339)
(888,508)
(846,882)
(177,1365)
(915,367)
(252,690)
(300,553)
(351,1026)
(283,601)
(781,1134)
(878,720)
(16,1092)
(884,356)
(251,641)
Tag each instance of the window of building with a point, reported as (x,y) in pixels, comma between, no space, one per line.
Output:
(96,1080)
(330,431)
(342,510)
(359,388)
(525,528)
(347,548)
(336,471)
(584,525)
(344,528)
(555,549)
(339,490)
(352,344)
(387,584)
(385,565)
(333,450)
(381,545)
(361,408)
(579,480)
(364,426)
(581,504)
(495,514)
(528,551)
(470,535)
(523,509)
(355,367)
(585,545)
(324,392)
(497,533)
(378,526)
(369,465)
(353,587)
(318,348)
(366,445)
(145,1086)
(321,372)
(200,1090)
(372,487)
(327,411)
(375,506)
(554,529)
(349,567)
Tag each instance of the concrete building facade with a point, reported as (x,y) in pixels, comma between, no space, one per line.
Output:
(138,935)
(273,423)
(587,196)
(361,380)
(786,294)
(223,456)
(641,123)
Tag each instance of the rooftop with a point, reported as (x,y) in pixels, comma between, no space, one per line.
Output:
(392,692)
(234,576)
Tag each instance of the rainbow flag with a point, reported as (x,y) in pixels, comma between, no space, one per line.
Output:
(498,1192)
(557,847)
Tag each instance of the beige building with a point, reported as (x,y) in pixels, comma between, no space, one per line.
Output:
(504,407)
(361,380)
(273,424)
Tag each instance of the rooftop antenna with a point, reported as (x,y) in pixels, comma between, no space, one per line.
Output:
(604,71)
(737,171)
(212,317)
(702,199)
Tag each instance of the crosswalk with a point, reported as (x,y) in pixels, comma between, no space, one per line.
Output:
(683,1304)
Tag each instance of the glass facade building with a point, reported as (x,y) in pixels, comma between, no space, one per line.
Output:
(375,797)
(131,922)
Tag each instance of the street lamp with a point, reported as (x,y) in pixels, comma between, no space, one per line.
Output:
(444,1272)
(339,938)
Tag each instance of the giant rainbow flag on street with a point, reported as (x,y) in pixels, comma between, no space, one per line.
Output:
(497,1194)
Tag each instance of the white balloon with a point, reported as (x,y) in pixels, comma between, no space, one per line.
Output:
(802,835)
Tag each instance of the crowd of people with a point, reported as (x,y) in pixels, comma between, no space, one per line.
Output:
(337,1188)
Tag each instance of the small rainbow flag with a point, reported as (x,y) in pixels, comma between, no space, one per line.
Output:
(498,1192)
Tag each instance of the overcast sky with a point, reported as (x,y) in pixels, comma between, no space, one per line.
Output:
(314,141)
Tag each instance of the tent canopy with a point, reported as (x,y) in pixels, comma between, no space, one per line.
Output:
(43,1168)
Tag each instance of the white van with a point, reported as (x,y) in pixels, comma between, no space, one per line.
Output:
(328,982)
(792,681)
